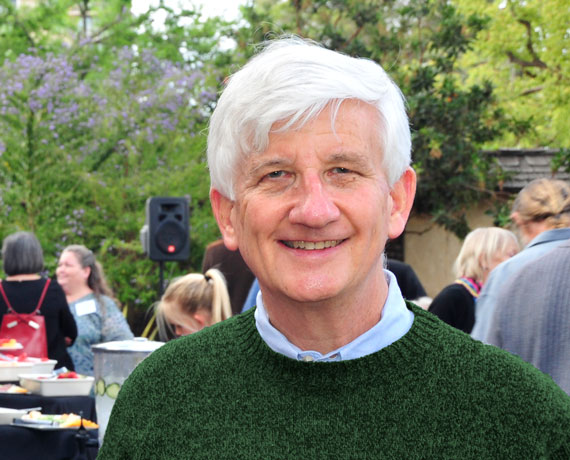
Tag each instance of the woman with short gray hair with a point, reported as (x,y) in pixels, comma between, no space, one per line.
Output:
(23,260)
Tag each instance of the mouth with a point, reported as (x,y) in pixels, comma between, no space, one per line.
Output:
(312,245)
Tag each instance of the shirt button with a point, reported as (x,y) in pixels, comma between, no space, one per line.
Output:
(308,358)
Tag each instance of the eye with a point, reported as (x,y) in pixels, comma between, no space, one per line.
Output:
(341,170)
(276,174)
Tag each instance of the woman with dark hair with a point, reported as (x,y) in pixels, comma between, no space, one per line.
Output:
(92,303)
(23,260)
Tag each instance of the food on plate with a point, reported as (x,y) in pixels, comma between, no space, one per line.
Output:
(61,375)
(59,420)
(68,375)
(21,358)
(10,343)
(10,388)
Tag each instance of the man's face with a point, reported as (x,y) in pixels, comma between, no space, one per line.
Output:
(313,212)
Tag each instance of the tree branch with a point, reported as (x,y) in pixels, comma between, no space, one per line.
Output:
(536,61)
(536,89)
(352,37)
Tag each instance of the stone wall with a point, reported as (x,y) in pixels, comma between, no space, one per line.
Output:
(526,165)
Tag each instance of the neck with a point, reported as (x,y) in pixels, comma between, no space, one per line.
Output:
(24,277)
(531,230)
(330,324)
(78,293)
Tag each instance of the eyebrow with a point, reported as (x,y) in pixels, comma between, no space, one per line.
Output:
(351,157)
(268,164)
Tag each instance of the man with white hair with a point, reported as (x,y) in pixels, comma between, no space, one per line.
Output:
(309,154)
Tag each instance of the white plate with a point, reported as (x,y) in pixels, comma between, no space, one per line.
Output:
(45,385)
(34,426)
(7,415)
(16,347)
(9,371)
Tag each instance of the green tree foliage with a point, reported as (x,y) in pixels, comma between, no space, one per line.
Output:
(90,128)
(419,43)
(525,52)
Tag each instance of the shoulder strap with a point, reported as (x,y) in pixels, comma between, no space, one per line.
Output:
(42,297)
(10,309)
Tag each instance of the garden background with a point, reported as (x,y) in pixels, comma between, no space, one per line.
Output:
(101,108)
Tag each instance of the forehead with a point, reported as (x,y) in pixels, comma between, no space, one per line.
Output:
(351,131)
(69,256)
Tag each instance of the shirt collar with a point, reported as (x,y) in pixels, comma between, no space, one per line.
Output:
(395,321)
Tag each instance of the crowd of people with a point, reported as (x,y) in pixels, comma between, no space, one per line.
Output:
(300,339)
(78,306)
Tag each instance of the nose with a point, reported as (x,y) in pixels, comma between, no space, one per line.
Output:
(314,206)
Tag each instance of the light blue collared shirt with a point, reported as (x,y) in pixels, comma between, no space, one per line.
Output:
(396,320)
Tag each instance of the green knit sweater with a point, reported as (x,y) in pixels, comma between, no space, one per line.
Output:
(434,394)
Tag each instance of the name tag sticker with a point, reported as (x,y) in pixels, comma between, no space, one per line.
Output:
(85,307)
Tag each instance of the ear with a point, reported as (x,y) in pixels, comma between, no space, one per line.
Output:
(86,273)
(202,317)
(223,208)
(515,218)
(402,195)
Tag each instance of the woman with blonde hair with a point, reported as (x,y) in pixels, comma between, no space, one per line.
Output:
(541,213)
(483,249)
(193,302)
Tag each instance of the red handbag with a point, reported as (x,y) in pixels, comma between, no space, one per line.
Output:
(29,329)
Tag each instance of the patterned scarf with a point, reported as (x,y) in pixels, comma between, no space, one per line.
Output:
(471,285)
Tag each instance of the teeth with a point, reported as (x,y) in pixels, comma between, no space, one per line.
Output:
(310,245)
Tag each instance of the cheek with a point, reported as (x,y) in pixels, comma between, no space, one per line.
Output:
(254,216)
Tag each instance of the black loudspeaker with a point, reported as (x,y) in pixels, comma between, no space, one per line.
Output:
(166,234)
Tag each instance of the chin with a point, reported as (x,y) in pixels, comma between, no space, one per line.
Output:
(314,293)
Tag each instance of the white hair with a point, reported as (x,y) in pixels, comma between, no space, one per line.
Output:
(291,81)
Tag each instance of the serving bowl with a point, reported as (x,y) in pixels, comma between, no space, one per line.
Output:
(9,370)
(49,385)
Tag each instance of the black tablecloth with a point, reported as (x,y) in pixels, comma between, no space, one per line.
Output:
(23,443)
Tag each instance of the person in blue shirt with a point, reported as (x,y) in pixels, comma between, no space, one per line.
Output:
(541,213)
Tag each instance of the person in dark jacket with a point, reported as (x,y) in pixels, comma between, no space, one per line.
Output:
(239,277)
(23,261)
(483,249)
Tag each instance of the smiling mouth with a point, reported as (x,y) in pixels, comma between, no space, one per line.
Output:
(312,245)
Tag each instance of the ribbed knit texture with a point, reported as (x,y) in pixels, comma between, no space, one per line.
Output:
(434,394)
